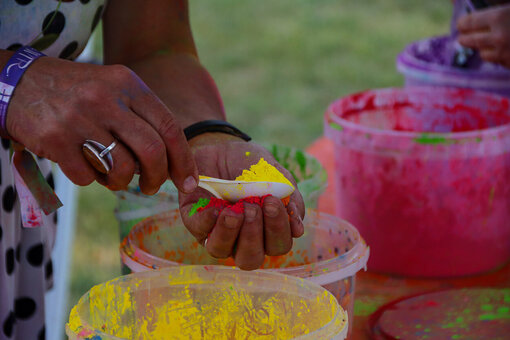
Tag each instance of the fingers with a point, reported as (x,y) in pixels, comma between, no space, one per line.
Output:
(79,171)
(250,244)
(221,240)
(296,221)
(495,56)
(77,168)
(479,21)
(477,40)
(200,224)
(295,209)
(181,164)
(146,145)
(277,233)
(123,168)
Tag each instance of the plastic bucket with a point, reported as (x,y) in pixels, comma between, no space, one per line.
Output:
(213,302)
(330,252)
(424,174)
(133,206)
(428,62)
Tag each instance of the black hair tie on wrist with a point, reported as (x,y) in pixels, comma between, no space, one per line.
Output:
(214,126)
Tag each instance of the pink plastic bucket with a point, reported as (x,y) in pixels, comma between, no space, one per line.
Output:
(424,174)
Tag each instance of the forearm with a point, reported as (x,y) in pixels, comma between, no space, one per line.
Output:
(183,84)
(154,39)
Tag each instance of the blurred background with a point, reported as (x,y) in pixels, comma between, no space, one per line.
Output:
(278,64)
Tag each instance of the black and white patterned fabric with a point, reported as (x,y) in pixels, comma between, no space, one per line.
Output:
(58,29)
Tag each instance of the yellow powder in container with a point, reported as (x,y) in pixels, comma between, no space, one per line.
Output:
(263,171)
(191,303)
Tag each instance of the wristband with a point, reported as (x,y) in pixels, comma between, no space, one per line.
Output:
(9,78)
(214,126)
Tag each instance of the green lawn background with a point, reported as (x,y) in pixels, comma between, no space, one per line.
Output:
(278,64)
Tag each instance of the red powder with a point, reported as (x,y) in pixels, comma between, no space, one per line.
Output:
(237,207)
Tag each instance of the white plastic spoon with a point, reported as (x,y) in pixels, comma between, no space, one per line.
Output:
(233,191)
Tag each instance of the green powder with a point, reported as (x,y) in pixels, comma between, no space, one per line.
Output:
(433,139)
(202,203)
(336,126)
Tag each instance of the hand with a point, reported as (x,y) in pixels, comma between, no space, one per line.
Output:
(59,104)
(247,236)
(488,31)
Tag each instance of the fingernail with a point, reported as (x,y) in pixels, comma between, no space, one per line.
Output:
(190,184)
(250,213)
(231,222)
(271,210)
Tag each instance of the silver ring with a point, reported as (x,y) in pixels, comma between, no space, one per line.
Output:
(205,243)
(98,155)
(108,149)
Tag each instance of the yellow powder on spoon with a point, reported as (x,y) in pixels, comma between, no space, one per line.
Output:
(263,171)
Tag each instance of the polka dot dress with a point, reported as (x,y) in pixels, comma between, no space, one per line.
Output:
(59,29)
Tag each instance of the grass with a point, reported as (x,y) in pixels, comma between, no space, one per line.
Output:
(278,65)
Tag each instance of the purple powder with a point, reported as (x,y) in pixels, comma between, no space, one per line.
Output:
(436,51)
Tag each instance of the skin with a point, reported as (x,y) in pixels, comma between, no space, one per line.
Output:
(103,103)
(488,31)
(257,232)
(151,87)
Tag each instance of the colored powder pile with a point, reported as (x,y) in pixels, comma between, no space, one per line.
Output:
(263,171)
(196,308)
(237,207)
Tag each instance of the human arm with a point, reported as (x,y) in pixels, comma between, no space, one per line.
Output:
(154,39)
(58,104)
(488,31)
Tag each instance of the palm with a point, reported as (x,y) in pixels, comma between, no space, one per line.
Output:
(226,158)
(227,161)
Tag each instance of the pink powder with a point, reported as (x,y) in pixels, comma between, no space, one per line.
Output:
(237,207)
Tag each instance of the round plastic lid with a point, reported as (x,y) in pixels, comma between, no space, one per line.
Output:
(481,313)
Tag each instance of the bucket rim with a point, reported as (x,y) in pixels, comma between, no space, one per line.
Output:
(334,327)
(321,272)
(332,116)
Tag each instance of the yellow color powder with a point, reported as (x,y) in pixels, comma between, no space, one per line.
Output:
(263,171)
(200,305)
